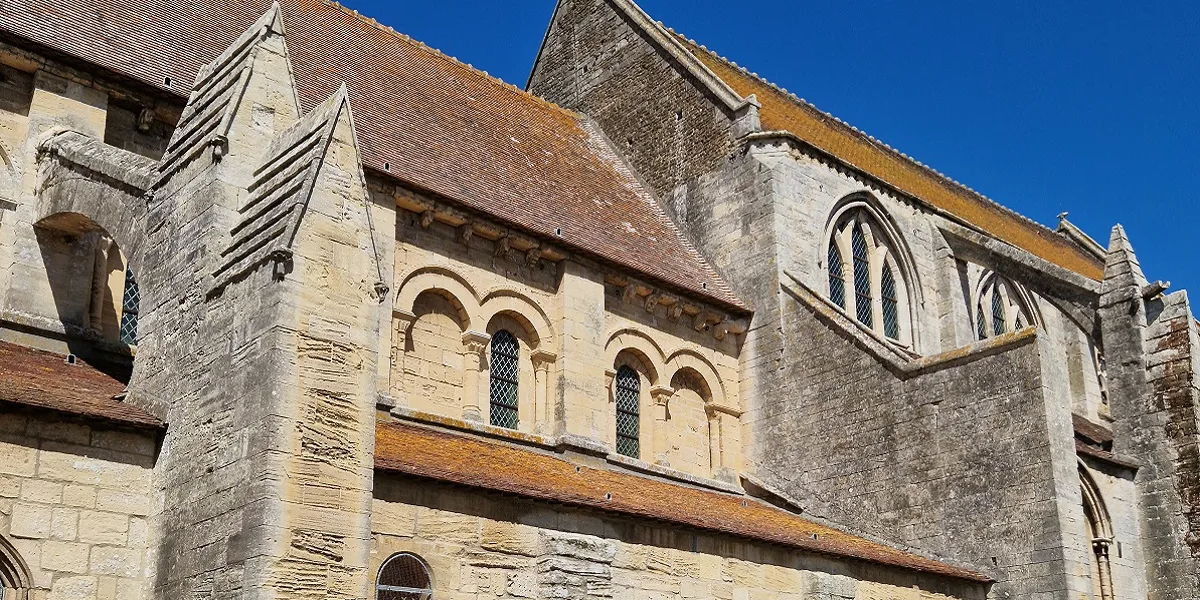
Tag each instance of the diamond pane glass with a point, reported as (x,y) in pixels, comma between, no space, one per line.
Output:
(998,325)
(129,309)
(891,307)
(403,577)
(837,279)
(628,395)
(505,376)
(862,277)
(980,328)
(1019,324)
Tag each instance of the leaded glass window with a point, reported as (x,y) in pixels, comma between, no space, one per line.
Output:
(890,305)
(998,325)
(129,310)
(506,372)
(628,397)
(980,323)
(403,576)
(837,278)
(862,276)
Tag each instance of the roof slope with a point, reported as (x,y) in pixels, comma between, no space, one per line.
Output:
(442,126)
(782,111)
(423,452)
(43,379)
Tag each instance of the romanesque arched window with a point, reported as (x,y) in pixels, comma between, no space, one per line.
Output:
(860,250)
(129,310)
(403,576)
(14,573)
(628,400)
(505,377)
(1000,308)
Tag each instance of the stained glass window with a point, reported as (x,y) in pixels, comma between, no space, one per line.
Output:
(129,310)
(862,276)
(505,376)
(403,577)
(628,397)
(837,279)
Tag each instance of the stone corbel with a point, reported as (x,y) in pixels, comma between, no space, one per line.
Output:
(736,327)
(475,345)
(503,245)
(426,219)
(652,301)
(533,256)
(465,232)
(706,319)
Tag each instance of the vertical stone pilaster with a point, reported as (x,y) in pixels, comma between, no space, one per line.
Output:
(474,401)
(661,395)
(402,322)
(542,361)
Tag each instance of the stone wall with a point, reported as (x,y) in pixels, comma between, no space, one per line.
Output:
(481,545)
(74,501)
(664,123)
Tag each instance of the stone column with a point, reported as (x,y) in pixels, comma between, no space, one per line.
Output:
(714,439)
(475,345)
(662,397)
(610,436)
(402,322)
(1100,547)
(542,359)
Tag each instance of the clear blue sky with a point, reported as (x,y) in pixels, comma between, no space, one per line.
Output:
(1087,107)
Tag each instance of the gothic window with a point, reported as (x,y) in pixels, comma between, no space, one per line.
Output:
(403,576)
(1099,530)
(628,397)
(505,371)
(129,310)
(1000,308)
(859,248)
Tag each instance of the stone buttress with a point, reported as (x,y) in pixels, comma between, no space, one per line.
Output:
(260,338)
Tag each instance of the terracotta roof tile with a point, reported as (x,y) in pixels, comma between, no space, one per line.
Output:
(424,452)
(41,379)
(782,111)
(443,126)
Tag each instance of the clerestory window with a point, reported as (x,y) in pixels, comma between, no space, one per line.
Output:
(505,376)
(999,308)
(403,576)
(875,294)
(628,397)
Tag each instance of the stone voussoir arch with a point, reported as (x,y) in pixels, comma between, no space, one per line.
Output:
(688,359)
(642,345)
(512,302)
(444,281)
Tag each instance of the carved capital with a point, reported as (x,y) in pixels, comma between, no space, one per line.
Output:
(475,342)
(661,394)
(542,359)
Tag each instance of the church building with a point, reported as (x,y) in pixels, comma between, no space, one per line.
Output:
(293,306)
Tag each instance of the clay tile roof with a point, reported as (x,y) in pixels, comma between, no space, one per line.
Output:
(782,111)
(424,452)
(41,379)
(443,126)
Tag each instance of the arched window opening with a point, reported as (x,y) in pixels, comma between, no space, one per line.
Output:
(862,276)
(14,573)
(861,247)
(505,376)
(628,397)
(837,277)
(129,310)
(1099,531)
(403,576)
(1006,308)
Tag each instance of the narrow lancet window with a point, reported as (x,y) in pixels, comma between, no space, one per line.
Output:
(505,376)
(862,276)
(129,310)
(998,325)
(890,305)
(837,278)
(628,397)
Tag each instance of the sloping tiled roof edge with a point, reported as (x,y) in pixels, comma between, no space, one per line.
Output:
(424,452)
(1083,263)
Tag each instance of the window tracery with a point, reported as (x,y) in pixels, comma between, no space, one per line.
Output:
(1000,308)
(860,248)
